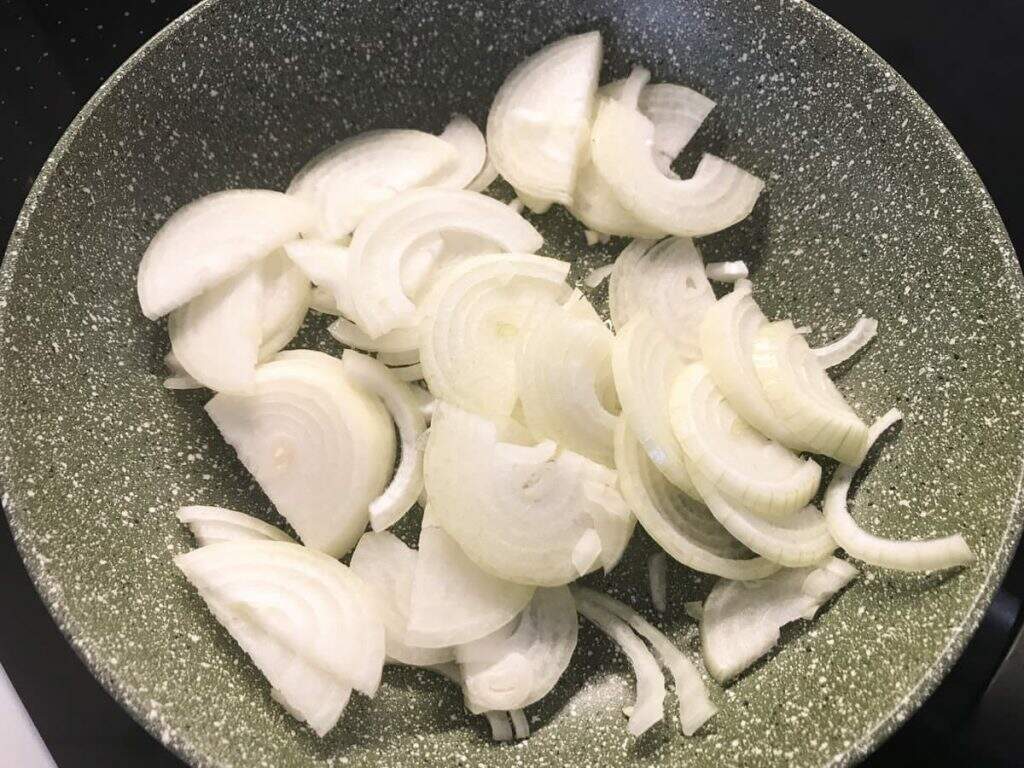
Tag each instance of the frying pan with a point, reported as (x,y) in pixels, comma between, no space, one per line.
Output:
(870,208)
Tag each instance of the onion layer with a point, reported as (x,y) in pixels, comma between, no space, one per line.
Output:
(284,301)
(742,619)
(470,153)
(326,265)
(843,349)
(930,555)
(213,525)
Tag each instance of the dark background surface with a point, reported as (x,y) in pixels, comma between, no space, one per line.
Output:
(965,58)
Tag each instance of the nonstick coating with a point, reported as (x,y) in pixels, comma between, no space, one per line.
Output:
(870,209)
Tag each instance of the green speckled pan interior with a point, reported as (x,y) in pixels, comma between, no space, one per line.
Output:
(871,208)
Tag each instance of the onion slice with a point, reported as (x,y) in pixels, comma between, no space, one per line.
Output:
(213,525)
(930,555)
(280,601)
(797,386)
(649,706)
(646,365)
(471,323)
(453,600)
(470,152)
(538,124)
(344,183)
(283,303)
(401,341)
(743,465)
(212,239)
(841,350)
(719,194)
(695,705)
(326,265)
(742,619)
(521,662)
(501,728)
(407,482)
(682,526)
(519,511)
(726,271)
(178,378)
(385,285)
(564,379)
(598,275)
(487,176)
(520,724)
(321,449)
(387,568)
(657,567)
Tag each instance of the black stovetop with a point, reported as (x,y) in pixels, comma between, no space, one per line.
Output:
(965,59)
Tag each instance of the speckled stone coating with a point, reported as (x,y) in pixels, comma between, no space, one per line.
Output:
(870,208)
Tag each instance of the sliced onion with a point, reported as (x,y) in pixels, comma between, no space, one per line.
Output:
(520,724)
(843,349)
(487,176)
(667,280)
(598,275)
(349,180)
(743,465)
(410,357)
(178,378)
(742,619)
(470,152)
(726,271)
(409,373)
(319,448)
(216,337)
(929,555)
(426,401)
(649,705)
(657,565)
(322,300)
(795,541)
(676,112)
(472,321)
(695,706)
(563,364)
(719,194)
(388,568)
(213,525)
(310,697)
(646,365)
(727,337)
(593,238)
(326,265)
(683,527)
(400,341)
(520,663)
(519,511)
(281,600)
(211,239)
(797,386)
(453,600)
(284,301)
(538,125)
(403,405)
(383,297)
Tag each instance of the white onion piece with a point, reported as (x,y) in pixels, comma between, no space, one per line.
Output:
(657,567)
(281,600)
(453,600)
(649,705)
(695,706)
(742,619)
(563,364)
(407,482)
(212,525)
(326,265)
(743,465)
(538,124)
(409,373)
(676,113)
(284,301)
(719,194)
(667,279)
(726,271)
(795,541)
(385,239)
(520,724)
(216,336)
(388,567)
(799,389)
(843,349)
(471,323)
(593,238)
(928,555)
(487,176)
(520,663)
(519,511)
(319,448)
(598,275)
(322,300)
(178,378)
(727,337)
(645,365)
(353,177)
(470,153)
(501,728)
(400,341)
(682,526)
(409,357)
(211,239)
(310,697)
